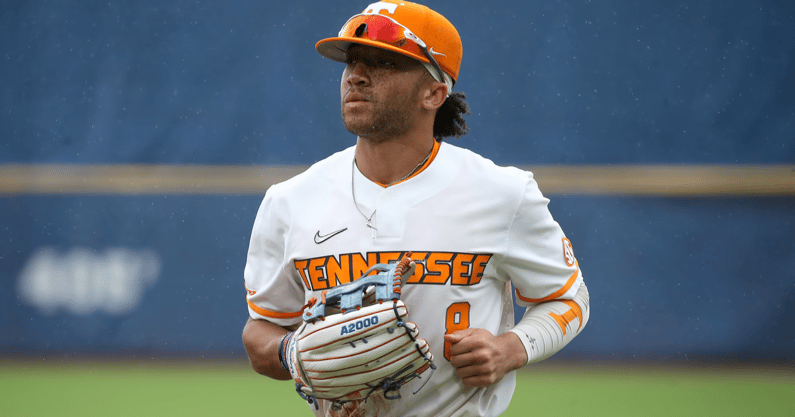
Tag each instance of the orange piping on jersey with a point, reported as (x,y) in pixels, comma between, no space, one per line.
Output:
(248,290)
(273,314)
(556,294)
(434,151)
(575,312)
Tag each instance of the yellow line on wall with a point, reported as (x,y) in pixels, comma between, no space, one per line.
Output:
(668,180)
(640,180)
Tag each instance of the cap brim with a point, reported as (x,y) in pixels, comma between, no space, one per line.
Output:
(337,48)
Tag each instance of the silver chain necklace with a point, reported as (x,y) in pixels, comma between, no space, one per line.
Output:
(353,189)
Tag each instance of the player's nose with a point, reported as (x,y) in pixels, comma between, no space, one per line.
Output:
(356,74)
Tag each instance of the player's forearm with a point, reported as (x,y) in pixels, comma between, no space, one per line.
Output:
(261,339)
(547,327)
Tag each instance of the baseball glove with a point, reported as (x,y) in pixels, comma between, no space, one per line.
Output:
(345,351)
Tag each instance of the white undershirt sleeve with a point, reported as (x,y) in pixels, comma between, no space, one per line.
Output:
(547,327)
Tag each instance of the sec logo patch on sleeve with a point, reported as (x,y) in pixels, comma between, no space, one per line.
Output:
(568,252)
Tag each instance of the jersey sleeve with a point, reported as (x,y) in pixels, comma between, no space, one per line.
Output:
(272,293)
(539,259)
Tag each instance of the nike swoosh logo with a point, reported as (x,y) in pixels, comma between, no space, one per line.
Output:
(435,53)
(320,239)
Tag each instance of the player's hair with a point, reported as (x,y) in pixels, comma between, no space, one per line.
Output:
(449,120)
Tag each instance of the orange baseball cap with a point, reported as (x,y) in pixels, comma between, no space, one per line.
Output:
(407,28)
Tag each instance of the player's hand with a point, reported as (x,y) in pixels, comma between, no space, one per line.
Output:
(481,359)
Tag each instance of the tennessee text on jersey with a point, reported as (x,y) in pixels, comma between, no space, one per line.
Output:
(436,268)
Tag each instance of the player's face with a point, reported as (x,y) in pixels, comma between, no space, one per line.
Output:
(380,92)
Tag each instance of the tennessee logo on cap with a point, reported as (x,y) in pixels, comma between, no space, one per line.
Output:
(407,28)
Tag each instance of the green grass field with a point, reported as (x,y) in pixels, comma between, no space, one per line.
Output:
(178,388)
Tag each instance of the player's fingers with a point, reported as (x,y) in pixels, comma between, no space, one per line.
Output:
(477,373)
(458,336)
(469,343)
(485,371)
(460,360)
(476,358)
(461,347)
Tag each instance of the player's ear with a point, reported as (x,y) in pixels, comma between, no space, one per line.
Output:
(434,95)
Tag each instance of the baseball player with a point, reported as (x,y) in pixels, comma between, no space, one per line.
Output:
(479,233)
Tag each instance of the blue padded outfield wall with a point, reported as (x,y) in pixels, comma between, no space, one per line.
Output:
(238,83)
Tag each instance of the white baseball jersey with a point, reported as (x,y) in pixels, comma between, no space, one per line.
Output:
(478,228)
